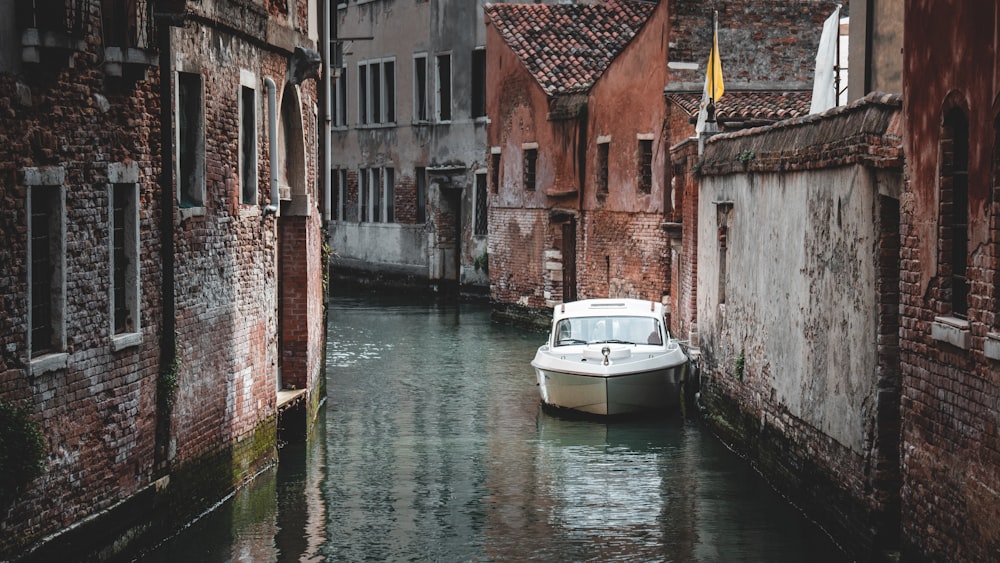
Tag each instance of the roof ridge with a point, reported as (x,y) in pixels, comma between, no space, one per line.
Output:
(567,47)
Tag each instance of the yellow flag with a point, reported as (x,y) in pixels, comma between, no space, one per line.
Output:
(713,77)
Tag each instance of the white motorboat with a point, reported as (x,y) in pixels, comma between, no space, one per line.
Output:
(609,357)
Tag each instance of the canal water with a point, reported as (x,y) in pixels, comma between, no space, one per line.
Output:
(432,446)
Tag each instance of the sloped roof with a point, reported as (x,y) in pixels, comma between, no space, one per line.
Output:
(749,106)
(567,47)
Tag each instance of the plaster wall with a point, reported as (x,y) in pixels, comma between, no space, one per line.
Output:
(402,30)
(800,299)
(385,243)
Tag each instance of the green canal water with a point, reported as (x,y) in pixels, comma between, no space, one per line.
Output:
(432,446)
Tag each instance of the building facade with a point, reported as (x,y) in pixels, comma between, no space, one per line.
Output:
(407,196)
(950,282)
(161,242)
(576,152)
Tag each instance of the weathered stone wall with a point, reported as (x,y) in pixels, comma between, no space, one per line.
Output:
(950,361)
(795,262)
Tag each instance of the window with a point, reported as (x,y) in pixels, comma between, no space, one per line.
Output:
(126,23)
(362,93)
(495,168)
(421,195)
(602,166)
(378,187)
(723,218)
(340,100)
(479,82)
(125,258)
(340,188)
(248,146)
(645,165)
(444,87)
(954,186)
(375,185)
(46,261)
(530,166)
(377,91)
(389,91)
(481,226)
(190,141)
(363,195)
(420,88)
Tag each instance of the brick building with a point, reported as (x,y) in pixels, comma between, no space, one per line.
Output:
(950,282)
(577,157)
(160,302)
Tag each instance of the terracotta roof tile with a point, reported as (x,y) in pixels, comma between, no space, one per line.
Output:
(568,46)
(750,106)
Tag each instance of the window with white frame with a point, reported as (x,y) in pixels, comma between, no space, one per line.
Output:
(248,145)
(444,87)
(375,199)
(340,189)
(123,196)
(378,191)
(377,91)
(190,141)
(420,100)
(340,99)
(46,208)
(389,194)
(363,195)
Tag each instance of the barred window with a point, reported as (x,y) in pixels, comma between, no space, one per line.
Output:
(481,225)
(645,165)
(530,168)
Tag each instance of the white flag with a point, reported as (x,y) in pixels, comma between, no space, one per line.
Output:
(824,95)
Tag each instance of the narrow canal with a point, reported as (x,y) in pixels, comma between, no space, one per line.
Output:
(432,446)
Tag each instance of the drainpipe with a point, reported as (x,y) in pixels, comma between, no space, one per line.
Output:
(326,212)
(272,138)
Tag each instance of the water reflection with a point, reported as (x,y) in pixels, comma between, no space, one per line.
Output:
(433,447)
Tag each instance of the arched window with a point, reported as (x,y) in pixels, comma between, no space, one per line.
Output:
(954,211)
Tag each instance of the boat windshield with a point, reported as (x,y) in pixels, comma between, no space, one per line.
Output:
(623,330)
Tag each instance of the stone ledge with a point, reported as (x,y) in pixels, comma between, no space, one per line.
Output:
(49,362)
(991,346)
(952,331)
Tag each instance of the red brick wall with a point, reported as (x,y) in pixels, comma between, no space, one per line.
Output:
(225,292)
(684,297)
(760,40)
(604,270)
(515,276)
(97,415)
(950,435)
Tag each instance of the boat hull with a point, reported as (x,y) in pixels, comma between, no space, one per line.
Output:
(629,393)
